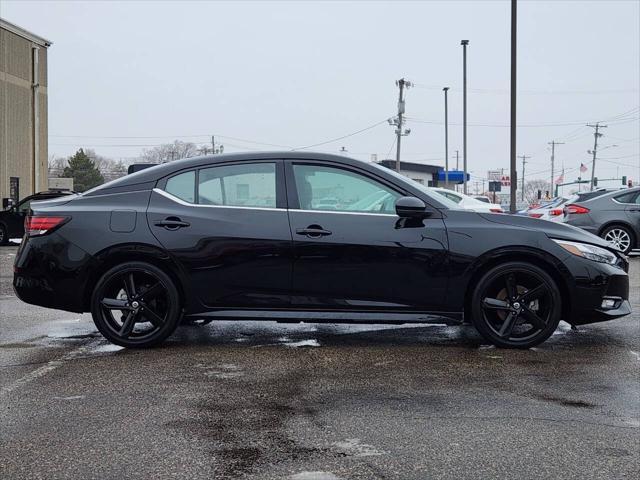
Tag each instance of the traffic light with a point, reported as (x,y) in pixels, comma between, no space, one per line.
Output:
(624,180)
(595,181)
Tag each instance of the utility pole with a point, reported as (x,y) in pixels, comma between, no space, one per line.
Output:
(399,120)
(457,160)
(524,162)
(446,139)
(596,135)
(464,44)
(213,145)
(553,144)
(514,65)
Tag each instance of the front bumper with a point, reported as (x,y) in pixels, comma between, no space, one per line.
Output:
(52,272)
(594,283)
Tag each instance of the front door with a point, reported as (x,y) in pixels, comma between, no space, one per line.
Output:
(227,226)
(351,250)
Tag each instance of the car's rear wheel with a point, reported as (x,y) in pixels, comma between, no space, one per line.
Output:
(136,305)
(516,305)
(620,237)
(4,236)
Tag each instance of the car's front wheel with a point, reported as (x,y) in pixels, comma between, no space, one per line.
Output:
(516,305)
(136,305)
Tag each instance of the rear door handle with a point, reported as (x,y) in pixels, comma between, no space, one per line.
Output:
(172,223)
(313,231)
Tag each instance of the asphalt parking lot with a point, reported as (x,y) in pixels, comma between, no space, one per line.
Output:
(313,401)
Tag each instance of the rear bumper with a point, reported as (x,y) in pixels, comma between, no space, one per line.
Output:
(52,272)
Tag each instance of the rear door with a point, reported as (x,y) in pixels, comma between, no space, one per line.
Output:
(227,226)
(632,209)
(351,250)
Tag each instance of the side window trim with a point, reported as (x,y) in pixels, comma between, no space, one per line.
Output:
(292,191)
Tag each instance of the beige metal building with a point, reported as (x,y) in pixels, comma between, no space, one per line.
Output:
(23,112)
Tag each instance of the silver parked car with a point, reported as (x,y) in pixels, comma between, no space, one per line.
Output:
(614,216)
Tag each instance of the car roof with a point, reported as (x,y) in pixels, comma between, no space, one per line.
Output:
(148,177)
(611,194)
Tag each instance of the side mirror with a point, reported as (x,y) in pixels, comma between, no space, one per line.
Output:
(411,207)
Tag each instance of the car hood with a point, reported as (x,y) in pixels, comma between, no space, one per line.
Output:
(551,229)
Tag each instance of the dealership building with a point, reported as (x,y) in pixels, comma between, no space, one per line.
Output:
(23,112)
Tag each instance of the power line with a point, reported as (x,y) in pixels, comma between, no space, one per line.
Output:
(342,137)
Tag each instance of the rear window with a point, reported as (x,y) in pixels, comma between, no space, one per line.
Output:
(183,186)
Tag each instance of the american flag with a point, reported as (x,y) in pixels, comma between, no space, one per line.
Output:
(583,168)
(560,179)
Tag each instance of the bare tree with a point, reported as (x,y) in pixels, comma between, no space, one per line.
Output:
(531,190)
(109,168)
(170,151)
(56,166)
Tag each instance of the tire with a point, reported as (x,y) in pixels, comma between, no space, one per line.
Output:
(620,237)
(516,305)
(4,235)
(136,305)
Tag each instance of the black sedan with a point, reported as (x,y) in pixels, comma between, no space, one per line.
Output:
(250,236)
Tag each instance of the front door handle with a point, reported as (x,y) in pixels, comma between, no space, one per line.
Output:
(172,223)
(313,231)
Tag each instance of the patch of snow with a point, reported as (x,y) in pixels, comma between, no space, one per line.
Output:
(353,447)
(107,348)
(75,397)
(303,343)
(314,476)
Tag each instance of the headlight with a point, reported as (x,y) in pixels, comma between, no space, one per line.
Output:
(597,254)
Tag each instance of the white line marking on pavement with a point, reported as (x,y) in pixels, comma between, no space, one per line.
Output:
(48,367)
(635,354)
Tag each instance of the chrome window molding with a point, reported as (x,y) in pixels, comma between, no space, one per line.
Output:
(269,209)
(199,205)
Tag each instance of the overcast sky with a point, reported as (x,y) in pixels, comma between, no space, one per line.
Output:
(300,73)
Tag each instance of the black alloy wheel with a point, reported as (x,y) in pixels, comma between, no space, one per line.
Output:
(516,305)
(136,305)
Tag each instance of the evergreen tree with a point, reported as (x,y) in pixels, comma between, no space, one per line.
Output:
(83,171)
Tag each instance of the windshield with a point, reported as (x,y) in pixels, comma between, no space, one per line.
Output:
(442,200)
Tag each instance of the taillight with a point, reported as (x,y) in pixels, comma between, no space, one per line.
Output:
(496,210)
(42,225)
(535,215)
(555,212)
(575,209)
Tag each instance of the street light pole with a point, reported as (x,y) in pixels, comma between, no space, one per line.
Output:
(514,37)
(446,139)
(464,44)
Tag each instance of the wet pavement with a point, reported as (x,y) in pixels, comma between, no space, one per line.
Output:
(312,401)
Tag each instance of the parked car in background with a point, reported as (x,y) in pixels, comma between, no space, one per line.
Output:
(551,211)
(12,219)
(614,216)
(193,238)
(467,202)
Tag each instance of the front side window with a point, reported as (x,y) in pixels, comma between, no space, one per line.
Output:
(246,185)
(335,189)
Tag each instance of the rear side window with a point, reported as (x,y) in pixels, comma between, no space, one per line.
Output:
(246,185)
(183,186)
(631,197)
